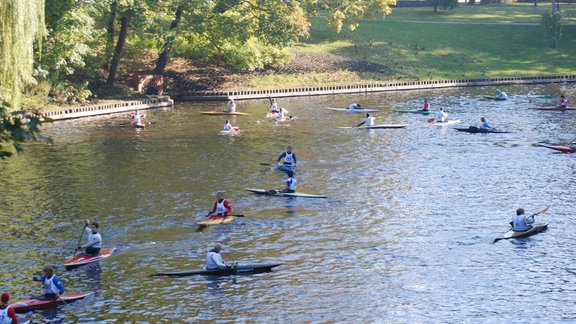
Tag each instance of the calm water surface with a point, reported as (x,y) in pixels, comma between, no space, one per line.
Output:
(404,237)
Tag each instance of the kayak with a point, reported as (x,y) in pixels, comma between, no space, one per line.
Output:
(560,148)
(445,123)
(374,126)
(285,168)
(223,113)
(24,306)
(82,259)
(240,269)
(416,111)
(232,132)
(553,108)
(277,193)
(137,125)
(474,129)
(495,98)
(536,228)
(216,220)
(353,110)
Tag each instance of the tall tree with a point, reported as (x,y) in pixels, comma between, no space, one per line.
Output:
(21,24)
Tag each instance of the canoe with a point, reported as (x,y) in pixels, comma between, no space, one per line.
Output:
(474,130)
(560,148)
(416,111)
(446,123)
(240,269)
(216,220)
(223,113)
(353,110)
(536,228)
(276,193)
(374,126)
(24,306)
(553,108)
(81,259)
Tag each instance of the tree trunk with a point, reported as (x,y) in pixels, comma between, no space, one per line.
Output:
(163,58)
(471,2)
(110,31)
(125,22)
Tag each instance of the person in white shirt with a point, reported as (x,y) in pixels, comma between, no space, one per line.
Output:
(441,115)
(231,105)
(214,259)
(227,126)
(273,106)
(368,121)
(94,243)
(354,106)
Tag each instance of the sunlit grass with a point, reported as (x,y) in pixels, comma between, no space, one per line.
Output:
(415,49)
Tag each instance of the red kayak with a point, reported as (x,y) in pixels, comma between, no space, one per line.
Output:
(138,125)
(24,306)
(83,259)
(553,108)
(560,148)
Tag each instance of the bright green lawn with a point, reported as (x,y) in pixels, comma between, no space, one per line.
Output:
(416,44)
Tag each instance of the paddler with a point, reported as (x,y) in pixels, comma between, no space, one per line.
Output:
(291,183)
(563,102)
(521,222)
(231,105)
(52,285)
(222,206)
(227,126)
(288,157)
(501,94)
(441,115)
(354,106)
(273,106)
(484,124)
(136,118)
(214,259)
(369,121)
(94,243)
(7,313)
(426,105)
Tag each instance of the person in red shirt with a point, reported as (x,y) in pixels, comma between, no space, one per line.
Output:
(7,312)
(221,206)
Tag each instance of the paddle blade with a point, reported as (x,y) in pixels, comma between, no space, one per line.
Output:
(267,164)
(431,120)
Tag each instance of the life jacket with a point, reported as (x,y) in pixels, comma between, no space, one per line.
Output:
(291,184)
(49,286)
(220,208)
(4,318)
(289,158)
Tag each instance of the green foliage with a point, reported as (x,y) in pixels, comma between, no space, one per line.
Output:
(552,21)
(18,127)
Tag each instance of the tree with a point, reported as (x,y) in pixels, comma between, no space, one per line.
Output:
(21,23)
(443,4)
(552,21)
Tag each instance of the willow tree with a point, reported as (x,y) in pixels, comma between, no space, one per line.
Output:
(21,24)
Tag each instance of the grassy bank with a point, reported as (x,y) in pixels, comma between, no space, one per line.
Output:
(417,44)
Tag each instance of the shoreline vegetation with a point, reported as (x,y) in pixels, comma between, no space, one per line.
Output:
(411,44)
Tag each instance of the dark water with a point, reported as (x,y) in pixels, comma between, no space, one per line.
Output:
(404,237)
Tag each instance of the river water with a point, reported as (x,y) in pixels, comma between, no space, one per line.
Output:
(405,235)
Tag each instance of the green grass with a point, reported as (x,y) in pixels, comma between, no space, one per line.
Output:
(417,44)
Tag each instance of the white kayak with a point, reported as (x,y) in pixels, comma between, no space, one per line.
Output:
(352,110)
(374,126)
(446,123)
(234,131)
(277,193)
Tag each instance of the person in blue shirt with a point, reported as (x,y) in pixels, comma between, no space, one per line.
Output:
(484,124)
(501,94)
(52,285)
(521,222)
(289,157)
(291,183)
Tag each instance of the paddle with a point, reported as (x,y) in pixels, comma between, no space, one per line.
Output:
(431,120)
(535,214)
(267,164)
(235,215)
(80,239)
